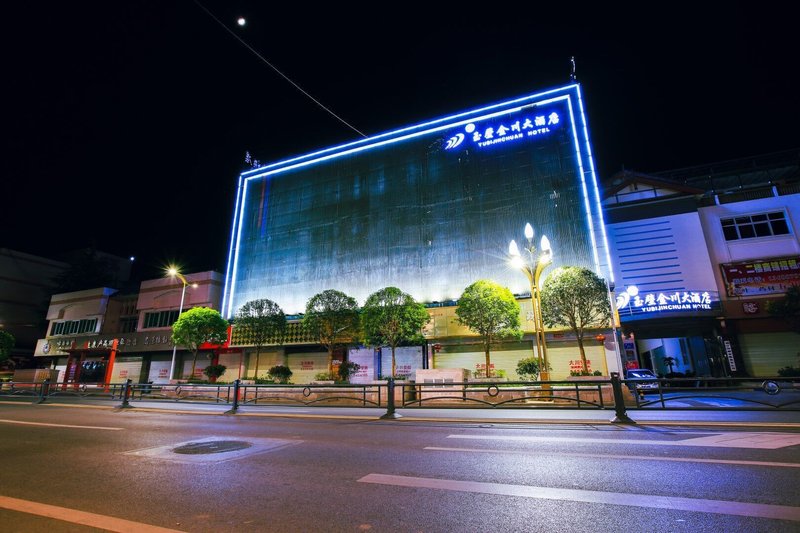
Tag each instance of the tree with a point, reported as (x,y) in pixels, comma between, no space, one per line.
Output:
(263,322)
(578,298)
(7,342)
(787,308)
(491,311)
(331,317)
(197,326)
(391,317)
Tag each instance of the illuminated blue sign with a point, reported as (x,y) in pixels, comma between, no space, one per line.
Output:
(497,131)
(631,302)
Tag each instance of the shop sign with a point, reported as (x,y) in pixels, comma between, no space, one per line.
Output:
(509,130)
(754,278)
(666,302)
(576,365)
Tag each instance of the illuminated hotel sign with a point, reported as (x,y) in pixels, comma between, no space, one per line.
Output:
(632,302)
(496,131)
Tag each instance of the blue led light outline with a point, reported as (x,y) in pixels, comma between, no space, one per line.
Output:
(399,139)
(417,126)
(236,253)
(230,247)
(590,158)
(365,144)
(587,206)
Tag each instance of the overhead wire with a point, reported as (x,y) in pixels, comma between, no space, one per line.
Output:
(270,65)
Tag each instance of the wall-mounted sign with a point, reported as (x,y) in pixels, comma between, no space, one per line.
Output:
(633,302)
(503,130)
(750,308)
(754,278)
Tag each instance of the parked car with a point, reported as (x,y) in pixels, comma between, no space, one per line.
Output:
(641,380)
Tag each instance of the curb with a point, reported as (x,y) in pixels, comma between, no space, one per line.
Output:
(451,420)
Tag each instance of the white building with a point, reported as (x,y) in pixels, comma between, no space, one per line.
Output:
(707,247)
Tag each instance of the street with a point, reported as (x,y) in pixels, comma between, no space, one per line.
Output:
(68,468)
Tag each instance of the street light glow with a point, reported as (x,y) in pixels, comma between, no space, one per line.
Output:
(545,245)
(241,21)
(532,266)
(528,231)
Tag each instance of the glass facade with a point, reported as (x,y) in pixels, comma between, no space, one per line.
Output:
(429,209)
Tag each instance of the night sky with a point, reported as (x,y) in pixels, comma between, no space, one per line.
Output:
(126,123)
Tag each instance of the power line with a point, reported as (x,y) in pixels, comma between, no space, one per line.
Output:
(270,65)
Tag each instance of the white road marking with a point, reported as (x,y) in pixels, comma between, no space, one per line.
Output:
(759,510)
(74,516)
(610,456)
(761,441)
(59,425)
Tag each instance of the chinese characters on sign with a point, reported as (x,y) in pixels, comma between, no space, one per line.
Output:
(577,365)
(753,278)
(494,131)
(670,301)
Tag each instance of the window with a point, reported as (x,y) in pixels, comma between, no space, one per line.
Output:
(161,319)
(74,327)
(753,226)
(128,324)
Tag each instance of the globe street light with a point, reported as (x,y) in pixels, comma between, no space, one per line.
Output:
(532,266)
(173,272)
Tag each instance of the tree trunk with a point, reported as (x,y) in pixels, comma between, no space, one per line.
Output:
(258,356)
(394,364)
(488,363)
(194,364)
(583,354)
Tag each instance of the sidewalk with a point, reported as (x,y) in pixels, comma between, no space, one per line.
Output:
(739,418)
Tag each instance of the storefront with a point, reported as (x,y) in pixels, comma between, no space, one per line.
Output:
(675,333)
(139,357)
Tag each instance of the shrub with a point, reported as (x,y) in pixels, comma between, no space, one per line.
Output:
(214,371)
(281,373)
(324,376)
(585,373)
(789,372)
(528,368)
(347,369)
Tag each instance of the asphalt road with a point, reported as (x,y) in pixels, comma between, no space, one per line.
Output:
(91,468)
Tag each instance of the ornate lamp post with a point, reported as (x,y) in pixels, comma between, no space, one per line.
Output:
(532,266)
(173,272)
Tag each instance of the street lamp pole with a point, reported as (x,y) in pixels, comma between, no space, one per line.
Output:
(532,268)
(172,271)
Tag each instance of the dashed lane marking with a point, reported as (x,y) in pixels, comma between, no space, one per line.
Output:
(621,457)
(760,441)
(758,510)
(108,523)
(20,422)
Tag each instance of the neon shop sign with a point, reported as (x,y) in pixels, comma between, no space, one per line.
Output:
(497,131)
(659,302)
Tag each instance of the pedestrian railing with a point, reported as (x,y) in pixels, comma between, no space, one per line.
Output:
(590,393)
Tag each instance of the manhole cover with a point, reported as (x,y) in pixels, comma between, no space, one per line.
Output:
(216,446)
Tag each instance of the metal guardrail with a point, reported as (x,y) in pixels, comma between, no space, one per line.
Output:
(719,394)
